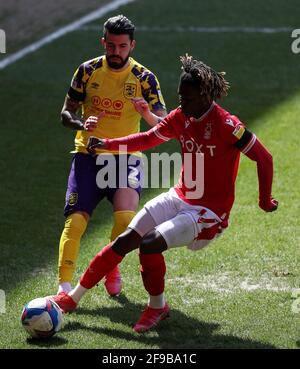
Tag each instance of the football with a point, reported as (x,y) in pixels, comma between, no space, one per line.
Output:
(41,318)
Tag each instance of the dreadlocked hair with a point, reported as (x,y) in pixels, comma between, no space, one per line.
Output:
(212,84)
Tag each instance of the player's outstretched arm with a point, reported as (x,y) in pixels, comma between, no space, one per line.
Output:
(135,142)
(264,162)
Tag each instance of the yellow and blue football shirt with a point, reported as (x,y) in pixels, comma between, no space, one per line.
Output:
(99,88)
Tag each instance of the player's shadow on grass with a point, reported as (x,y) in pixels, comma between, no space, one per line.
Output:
(178,331)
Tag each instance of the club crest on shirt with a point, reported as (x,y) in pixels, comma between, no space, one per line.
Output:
(207,131)
(73,198)
(130,90)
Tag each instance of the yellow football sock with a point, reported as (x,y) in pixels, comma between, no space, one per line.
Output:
(121,220)
(75,226)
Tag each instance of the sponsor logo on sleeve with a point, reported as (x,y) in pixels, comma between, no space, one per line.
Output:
(229,122)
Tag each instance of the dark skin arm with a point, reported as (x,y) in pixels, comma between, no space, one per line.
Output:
(142,107)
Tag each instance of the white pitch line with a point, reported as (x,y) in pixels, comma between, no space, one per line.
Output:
(113,5)
(203,29)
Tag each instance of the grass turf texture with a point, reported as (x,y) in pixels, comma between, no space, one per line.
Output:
(235,294)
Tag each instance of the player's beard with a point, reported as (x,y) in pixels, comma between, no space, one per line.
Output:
(117,65)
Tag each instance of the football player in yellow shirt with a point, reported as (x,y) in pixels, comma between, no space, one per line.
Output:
(105,100)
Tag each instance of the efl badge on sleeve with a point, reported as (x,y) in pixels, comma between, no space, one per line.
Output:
(238,132)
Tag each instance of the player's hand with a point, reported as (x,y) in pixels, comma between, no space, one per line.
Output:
(95,143)
(140,105)
(91,122)
(269,206)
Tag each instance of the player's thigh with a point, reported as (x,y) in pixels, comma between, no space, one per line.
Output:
(153,242)
(82,194)
(179,231)
(129,240)
(142,222)
(162,207)
(128,171)
(125,199)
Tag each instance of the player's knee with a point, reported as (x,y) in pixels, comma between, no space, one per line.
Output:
(127,241)
(123,218)
(75,225)
(153,242)
(84,214)
(121,221)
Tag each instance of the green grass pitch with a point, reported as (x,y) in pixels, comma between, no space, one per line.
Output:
(238,293)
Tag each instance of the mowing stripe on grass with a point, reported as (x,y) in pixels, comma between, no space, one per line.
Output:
(226,283)
(202,29)
(63,31)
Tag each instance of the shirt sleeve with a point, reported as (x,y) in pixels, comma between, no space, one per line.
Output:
(77,88)
(162,132)
(151,91)
(236,133)
(264,162)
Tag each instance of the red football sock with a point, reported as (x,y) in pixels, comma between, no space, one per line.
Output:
(153,270)
(101,264)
